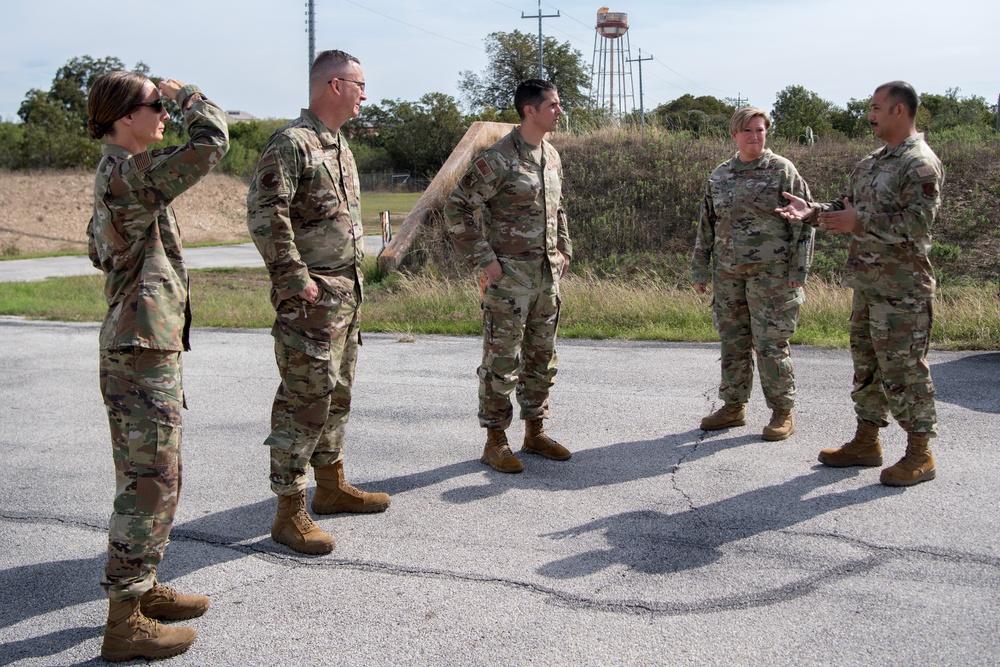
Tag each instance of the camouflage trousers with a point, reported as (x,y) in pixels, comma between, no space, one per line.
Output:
(753,308)
(890,337)
(143,396)
(313,402)
(519,344)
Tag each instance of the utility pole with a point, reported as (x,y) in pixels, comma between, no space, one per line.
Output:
(998,113)
(642,109)
(540,17)
(311,29)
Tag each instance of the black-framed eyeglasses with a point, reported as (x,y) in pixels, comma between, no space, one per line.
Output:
(359,84)
(156,105)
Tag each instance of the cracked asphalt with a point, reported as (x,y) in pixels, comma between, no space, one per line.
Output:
(656,544)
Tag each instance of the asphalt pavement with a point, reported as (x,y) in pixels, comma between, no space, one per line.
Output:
(656,544)
(236,255)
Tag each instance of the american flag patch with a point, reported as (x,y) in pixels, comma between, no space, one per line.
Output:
(142,160)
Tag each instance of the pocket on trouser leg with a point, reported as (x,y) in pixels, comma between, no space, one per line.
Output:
(784,316)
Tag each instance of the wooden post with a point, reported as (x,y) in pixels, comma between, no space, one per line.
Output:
(478,137)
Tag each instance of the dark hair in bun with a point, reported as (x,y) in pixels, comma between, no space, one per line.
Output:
(111,97)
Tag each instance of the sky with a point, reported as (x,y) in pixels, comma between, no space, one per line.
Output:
(252,55)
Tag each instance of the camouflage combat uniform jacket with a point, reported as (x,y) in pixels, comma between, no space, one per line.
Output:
(523,217)
(738,225)
(133,235)
(897,193)
(304,215)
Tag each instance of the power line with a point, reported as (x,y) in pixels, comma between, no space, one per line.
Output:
(393,18)
(540,16)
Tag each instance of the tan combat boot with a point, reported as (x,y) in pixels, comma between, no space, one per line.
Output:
(537,441)
(730,414)
(863,450)
(781,426)
(916,466)
(497,454)
(334,495)
(164,603)
(294,528)
(129,635)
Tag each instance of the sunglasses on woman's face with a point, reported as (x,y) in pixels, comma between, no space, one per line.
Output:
(156,105)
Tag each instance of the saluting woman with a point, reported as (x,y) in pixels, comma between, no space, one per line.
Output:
(135,240)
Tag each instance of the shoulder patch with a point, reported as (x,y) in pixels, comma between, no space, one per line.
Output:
(142,161)
(270,180)
(483,165)
(925,171)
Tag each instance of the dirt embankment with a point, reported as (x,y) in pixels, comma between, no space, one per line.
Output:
(43,212)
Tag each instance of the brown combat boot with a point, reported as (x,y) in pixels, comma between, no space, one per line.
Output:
(334,495)
(863,450)
(537,441)
(129,635)
(916,466)
(730,414)
(781,426)
(497,454)
(294,528)
(164,603)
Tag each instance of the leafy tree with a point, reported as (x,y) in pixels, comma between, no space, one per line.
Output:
(416,136)
(705,103)
(704,114)
(796,109)
(852,121)
(949,110)
(513,57)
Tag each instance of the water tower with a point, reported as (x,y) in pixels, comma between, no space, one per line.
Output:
(611,87)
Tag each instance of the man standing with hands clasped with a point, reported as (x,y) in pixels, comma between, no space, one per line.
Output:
(893,199)
(523,250)
(304,215)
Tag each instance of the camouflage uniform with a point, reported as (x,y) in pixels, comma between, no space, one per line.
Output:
(134,239)
(751,254)
(524,228)
(897,192)
(304,215)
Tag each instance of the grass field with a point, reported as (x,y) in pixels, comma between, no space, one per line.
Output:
(965,317)
(397,203)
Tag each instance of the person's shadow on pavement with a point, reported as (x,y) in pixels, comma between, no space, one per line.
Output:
(662,544)
(601,466)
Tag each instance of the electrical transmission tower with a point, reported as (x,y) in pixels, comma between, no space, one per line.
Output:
(311,29)
(540,16)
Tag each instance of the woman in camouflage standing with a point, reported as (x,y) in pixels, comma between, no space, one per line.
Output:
(757,261)
(134,239)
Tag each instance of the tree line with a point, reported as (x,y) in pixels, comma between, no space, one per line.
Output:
(418,136)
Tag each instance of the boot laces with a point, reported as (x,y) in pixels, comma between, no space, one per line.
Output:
(302,516)
(159,590)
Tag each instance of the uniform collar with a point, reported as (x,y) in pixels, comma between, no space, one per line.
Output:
(903,145)
(523,147)
(115,150)
(327,137)
(737,165)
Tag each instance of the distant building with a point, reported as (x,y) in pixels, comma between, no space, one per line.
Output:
(237,116)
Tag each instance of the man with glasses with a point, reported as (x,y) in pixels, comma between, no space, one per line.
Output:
(304,215)
(522,249)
